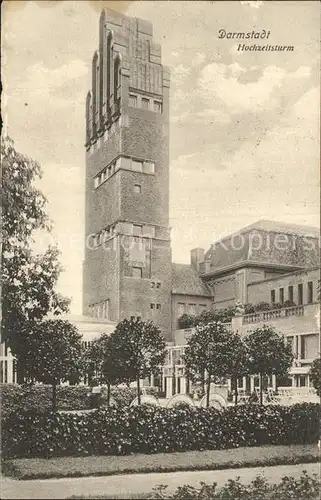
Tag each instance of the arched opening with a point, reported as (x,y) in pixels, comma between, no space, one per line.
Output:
(117,79)
(103,63)
(109,65)
(89,117)
(95,94)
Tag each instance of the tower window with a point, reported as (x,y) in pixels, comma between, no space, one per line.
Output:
(137,272)
(157,107)
(158,284)
(152,284)
(137,166)
(133,101)
(149,167)
(145,103)
(158,307)
(137,230)
(152,306)
(137,188)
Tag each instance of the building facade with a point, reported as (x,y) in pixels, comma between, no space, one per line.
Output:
(296,315)
(127,267)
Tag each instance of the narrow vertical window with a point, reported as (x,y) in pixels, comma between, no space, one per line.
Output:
(133,101)
(310,292)
(137,272)
(272,296)
(300,294)
(157,107)
(281,295)
(145,103)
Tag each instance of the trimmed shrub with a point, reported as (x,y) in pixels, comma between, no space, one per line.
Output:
(22,398)
(38,398)
(290,488)
(186,321)
(149,429)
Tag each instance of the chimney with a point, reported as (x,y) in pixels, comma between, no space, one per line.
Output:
(197,258)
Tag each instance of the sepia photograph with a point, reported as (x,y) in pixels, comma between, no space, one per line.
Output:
(160,250)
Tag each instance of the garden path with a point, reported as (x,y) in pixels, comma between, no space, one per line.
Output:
(123,485)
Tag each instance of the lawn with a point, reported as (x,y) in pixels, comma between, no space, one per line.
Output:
(42,468)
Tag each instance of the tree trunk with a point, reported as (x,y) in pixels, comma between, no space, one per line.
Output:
(108,393)
(138,390)
(203,388)
(54,396)
(235,390)
(208,391)
(261,389)
(20,374)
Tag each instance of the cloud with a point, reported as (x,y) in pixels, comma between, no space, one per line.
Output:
(179,74)
(212,190)
(222,82)
(198,59)
(43,82)
(202,117)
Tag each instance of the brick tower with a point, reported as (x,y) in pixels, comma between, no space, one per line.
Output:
(127,267)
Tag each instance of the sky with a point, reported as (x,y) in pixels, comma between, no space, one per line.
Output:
(244,126)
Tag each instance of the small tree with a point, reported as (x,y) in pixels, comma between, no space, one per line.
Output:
(315,375)
(101,363)
(53,354)
(138,349)
(211,354)
(268,354)
(93,362)
(237,365)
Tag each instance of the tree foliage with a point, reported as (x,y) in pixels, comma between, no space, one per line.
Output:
(212,315)
(268,353)
(212,353)
(138,348)
(53,353)
(315,375)
(28,279)
(101,363)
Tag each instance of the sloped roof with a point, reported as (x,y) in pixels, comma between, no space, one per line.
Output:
(283,227)
(186,281)
(242,246)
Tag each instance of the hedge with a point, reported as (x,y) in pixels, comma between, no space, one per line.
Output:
(149,429)
(17,398)
(303,488)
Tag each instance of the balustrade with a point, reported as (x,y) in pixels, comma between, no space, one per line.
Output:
(285,312)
